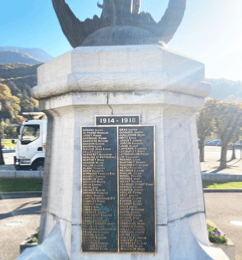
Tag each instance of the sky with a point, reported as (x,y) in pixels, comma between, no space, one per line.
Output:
(210,32)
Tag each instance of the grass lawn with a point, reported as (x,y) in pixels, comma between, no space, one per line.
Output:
(13,185)
(8,143)
(222,185)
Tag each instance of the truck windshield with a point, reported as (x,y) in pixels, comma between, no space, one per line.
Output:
(30,133)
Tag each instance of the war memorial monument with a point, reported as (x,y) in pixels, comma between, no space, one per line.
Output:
(122,175)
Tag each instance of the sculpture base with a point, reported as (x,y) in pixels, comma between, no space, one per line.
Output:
(165,89)
(120,35)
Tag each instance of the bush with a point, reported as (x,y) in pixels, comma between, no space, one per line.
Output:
(11,131)
(34,238)
(215,236)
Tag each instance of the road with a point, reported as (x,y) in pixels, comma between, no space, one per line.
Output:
(8,156)
(26,211)
(212,161)
(214,152)
(221,208)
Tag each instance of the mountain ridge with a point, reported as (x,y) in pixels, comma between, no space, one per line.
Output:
(36,53)
(225,90)
(17,57)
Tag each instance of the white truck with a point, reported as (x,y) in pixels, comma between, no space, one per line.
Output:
(31,144)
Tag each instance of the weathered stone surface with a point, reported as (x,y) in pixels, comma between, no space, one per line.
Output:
(121,68)
(108,81)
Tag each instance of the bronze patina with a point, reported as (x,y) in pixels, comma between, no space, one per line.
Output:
(120,23)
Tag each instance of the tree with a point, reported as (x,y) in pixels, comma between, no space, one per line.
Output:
(228,122)
(205,124)
(236,136)
(14,89)
(10,131)
(1,153)
(9,102)
(27,103)
(10,107)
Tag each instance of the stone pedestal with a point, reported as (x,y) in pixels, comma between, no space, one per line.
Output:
(166,90)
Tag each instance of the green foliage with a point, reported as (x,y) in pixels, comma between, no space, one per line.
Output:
(205,124)
(228,121)
(222,185)
(15,91)
(14,185)
(9,102)
(22,83)
(17,70)
(34,238)
(222,118)
(16,81)
(205,119)
(27,103)
(10,131)
(8,143)
(216,237)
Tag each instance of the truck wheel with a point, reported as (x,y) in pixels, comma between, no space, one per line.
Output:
(38,166)
(17,167)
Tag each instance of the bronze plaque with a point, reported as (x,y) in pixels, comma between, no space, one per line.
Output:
(136,189)
(118,189)
(99,189)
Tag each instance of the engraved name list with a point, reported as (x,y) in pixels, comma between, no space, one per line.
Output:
(118,189)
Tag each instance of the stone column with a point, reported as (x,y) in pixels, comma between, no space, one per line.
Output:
(167,90)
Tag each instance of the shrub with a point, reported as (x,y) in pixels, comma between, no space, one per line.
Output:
(215,235)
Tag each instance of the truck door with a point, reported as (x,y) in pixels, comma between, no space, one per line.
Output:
(31,140)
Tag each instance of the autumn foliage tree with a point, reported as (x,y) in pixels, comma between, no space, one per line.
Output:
(228,123)
(9,102)
(205,124)
(10,106)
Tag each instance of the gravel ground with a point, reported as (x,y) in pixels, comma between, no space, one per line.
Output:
(23,210)
(221,208)
(212,160)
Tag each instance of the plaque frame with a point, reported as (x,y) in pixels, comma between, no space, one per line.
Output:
(118,196)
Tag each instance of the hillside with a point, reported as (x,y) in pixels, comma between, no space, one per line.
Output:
(8,71)
(19,77)
(224,89)
(17,57)
(36,53)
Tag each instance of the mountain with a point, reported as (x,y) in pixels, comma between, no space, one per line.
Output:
(17,57)
(36,53)
(19,77)
(226,90)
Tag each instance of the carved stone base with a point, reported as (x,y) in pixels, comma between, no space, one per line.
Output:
(166,90)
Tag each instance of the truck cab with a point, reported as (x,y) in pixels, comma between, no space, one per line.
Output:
(31,144)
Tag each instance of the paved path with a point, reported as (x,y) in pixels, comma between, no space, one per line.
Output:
(212,161)
(8,157)
(24,210)
(8,170)
(221,208)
